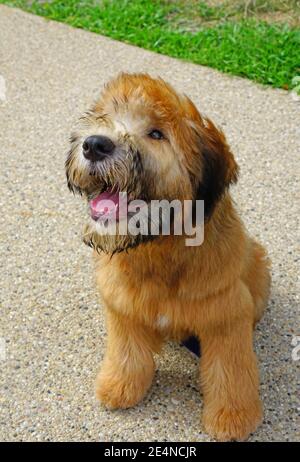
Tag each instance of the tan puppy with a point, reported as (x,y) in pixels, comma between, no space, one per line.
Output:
(143,138)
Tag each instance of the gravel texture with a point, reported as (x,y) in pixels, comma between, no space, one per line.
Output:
(51,322)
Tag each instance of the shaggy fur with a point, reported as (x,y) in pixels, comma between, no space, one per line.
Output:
(216,291)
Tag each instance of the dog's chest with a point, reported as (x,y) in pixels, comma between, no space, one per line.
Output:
(163,322)
(150,297)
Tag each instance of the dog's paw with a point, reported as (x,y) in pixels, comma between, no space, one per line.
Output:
(121,392)
(229,424)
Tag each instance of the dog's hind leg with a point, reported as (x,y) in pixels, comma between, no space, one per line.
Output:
(258,279)
(128,366)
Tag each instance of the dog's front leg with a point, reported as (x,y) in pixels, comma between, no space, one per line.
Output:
(128,366)
(229,373)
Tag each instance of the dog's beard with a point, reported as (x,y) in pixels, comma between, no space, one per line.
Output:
(123,173)
(112,243)
(137,223)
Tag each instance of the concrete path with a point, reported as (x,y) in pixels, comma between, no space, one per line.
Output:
(51,320)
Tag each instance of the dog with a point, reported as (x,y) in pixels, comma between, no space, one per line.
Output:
(143,138)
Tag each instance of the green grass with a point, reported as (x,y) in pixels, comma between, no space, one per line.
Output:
(264,52)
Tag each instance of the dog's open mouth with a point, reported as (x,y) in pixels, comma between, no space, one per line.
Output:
(106,205)
(113,205)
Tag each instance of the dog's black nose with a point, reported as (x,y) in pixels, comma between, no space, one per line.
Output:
(97,147)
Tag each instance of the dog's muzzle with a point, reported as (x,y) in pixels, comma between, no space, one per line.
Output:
(109,169)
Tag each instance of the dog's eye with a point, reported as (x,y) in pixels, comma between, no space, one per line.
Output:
(156,135)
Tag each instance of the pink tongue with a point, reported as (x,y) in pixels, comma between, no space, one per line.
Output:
(105,205)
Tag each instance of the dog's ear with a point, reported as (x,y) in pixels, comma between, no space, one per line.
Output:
(218,169)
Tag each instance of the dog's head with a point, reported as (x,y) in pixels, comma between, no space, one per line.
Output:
(145,139)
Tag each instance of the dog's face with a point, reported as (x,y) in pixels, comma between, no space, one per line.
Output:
(144,139)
